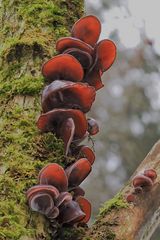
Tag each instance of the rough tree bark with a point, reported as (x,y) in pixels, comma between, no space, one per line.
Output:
(28,33)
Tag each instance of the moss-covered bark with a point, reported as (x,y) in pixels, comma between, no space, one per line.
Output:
(119,220)
(28,33)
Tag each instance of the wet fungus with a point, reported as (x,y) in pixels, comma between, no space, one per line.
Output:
(53,196)
(142,183)
(73,76)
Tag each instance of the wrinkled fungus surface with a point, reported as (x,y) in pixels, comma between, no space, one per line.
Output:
(73,76)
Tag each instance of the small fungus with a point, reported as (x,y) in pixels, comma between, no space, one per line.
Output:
(87,29)
(93,127)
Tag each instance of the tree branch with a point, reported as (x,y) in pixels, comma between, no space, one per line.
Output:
(119,220)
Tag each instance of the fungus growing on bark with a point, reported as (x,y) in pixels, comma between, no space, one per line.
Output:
(141,183)
(87,29)
(64,67)
(84,152)
(77,172)
(95,58)
(85,205)
(53,174)
(151,173)
(74,76)
(68,42)
(51,197)
(67,94)
(59,121)
(93,127)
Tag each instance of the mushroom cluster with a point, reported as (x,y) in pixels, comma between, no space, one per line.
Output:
(73,75)
(142,183)
(58,194)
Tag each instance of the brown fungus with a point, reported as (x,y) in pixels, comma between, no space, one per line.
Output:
(64,67)
(87,29)
(68,42)
(67,94)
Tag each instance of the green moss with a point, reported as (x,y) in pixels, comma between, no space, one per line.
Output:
(115,203)
(67,233)
(25,85)
(28,35)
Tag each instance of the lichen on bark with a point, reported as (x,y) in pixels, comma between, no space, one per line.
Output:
(29,30)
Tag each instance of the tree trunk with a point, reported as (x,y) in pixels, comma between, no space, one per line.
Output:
(28,33)
(119,220)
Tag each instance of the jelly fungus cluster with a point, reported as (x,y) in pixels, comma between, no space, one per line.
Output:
(142,183)
(74,76)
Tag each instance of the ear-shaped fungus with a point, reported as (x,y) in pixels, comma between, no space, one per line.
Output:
(85,152)
(106,53)
(48,189)
(69,42)
(52,121)
(151,173)
(66,94)
(41,199)
(71,213)
(93,127)
(85,207)
(54,174)
(41,203)
(77,172)
(87,29)
(63,66)
(142,181)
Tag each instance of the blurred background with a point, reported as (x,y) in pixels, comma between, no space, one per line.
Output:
(128,107)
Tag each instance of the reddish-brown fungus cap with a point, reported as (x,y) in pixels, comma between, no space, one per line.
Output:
(93,127)
(151,173)
(69,42)
(142,181)
(106,53)
(86,152)
(85,207)
(83,57)
(77,172)
(54,174)
(41,202)
(130,197)
(66,94)
(87,29)
(48,189)
(71,213)
(51,121)
(63,66)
